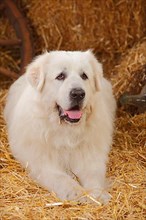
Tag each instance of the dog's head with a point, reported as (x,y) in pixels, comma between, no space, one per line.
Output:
(67,82)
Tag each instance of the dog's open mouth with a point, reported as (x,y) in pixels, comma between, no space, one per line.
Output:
(73,115)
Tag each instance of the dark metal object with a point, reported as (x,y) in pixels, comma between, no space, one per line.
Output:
(22,32)
(138,101)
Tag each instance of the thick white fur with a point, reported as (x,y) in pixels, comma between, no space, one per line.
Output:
(54,151)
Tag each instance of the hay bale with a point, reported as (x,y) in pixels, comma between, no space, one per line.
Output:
(130,74)
(110,27)
(74,25)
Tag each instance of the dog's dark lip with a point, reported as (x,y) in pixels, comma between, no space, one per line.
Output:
(71,120)
(65,117)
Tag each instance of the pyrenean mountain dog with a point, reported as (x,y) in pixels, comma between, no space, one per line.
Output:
(60,117)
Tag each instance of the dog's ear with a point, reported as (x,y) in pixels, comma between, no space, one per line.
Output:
(97,69)
(35,74)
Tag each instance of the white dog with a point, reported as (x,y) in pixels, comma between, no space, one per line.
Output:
(60,117)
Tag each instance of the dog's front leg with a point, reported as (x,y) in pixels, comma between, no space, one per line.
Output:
(92,178)
(59,182)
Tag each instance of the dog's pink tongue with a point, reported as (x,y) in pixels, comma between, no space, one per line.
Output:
(74,114)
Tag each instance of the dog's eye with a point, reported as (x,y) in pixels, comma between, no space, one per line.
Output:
(84,76)
(61,76)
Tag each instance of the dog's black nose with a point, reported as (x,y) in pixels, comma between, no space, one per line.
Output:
(77,94)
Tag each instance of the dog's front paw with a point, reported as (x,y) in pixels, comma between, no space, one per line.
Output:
(70,191)
(79,196)
(101,196)
(74,194)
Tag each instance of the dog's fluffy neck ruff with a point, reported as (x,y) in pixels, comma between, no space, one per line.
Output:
(74,134)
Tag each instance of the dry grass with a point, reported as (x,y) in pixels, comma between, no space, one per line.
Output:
(116,31)
(9,56)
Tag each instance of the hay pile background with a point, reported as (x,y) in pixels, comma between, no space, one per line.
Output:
(116,31)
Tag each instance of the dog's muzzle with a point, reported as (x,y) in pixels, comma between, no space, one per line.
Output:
(74,113)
